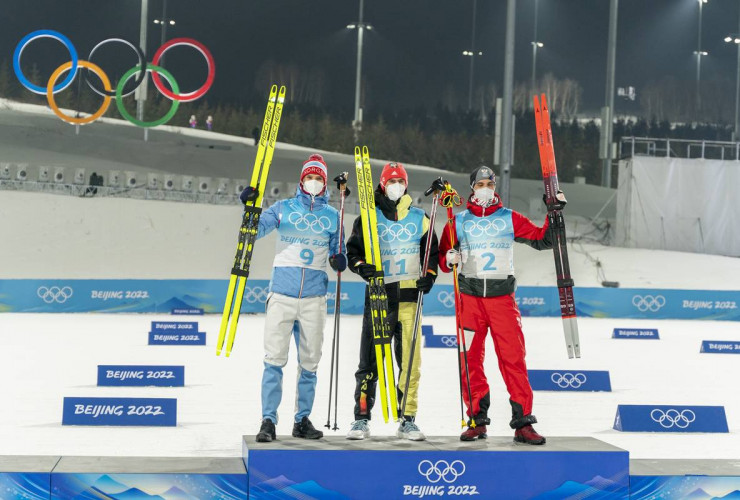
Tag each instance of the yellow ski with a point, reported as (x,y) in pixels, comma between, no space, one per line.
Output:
(250,221)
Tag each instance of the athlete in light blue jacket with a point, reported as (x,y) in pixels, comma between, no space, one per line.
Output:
(308,238)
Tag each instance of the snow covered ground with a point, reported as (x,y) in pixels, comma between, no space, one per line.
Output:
(47,357)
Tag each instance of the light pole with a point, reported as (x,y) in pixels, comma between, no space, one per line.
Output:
(536,44)
(699,53)
(141,91)
(471,54)
(735,38)
(361,26)
(163,23)
(607,124)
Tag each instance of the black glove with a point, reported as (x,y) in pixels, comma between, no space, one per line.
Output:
(366,271)
(342,179)
(338,262)
(249,194)
(560,201)
(426,283)
(437,185)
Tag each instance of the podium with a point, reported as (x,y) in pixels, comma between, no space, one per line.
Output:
(441,466)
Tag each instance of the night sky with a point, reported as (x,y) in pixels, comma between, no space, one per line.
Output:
(412,55)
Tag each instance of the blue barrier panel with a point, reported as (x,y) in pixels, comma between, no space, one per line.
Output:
(195,311)
(120,411)
(664,418)
(569,380)
(427,330)
(635,333)
(720,346)
(162,296)
(442,341)
(195,338)
(141,376)
(440,467)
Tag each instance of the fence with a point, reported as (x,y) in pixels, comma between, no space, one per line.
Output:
(678,148)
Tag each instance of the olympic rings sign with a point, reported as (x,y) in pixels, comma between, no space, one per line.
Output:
(71,68)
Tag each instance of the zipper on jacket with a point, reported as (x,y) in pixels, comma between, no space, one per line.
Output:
(303,277)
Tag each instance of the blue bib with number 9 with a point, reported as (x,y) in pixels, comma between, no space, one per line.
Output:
(303,236)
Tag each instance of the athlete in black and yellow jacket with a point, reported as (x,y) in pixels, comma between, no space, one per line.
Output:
(402,231)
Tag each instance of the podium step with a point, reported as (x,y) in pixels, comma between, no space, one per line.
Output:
(683,478)
(387,467)
(149,477)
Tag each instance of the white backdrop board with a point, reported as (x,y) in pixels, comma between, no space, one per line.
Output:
(687,205)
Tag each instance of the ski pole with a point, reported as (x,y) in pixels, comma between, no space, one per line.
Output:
(449,199)
(341,181)
(437,186)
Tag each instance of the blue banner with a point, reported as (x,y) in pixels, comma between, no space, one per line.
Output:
(174,326)
(141,376)
(635,333)
(188,311)
(663,418)
(163,296)
(443,341)
(569,380)
(720,346)
(120,411)
(172,338)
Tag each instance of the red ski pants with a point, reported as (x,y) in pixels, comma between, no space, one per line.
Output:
(501,316)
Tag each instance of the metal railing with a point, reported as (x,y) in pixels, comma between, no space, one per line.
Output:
(678,148)
(144,193)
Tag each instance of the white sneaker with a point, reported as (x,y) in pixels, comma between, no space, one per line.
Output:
(359,430)
(409,430)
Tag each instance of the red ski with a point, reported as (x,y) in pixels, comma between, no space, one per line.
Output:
(557,226)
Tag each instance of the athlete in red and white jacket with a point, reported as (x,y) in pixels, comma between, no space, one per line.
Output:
(483,250)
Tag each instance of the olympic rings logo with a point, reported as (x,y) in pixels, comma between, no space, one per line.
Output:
(254,294)
(449,340)
(303,222)
(107,92)
(396,231)
(54,294)
(446,298)
(673,418)
(648,302)
(441,469)
(564,380)
(476,228)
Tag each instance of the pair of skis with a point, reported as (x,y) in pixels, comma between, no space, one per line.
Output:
(250,221)
(557,226)
(376,285)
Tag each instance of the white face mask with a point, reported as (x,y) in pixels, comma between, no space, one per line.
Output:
(395,191)
(484,195)
(313,187)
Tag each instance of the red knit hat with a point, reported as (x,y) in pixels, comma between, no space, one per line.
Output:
(315,165)
(393,171)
